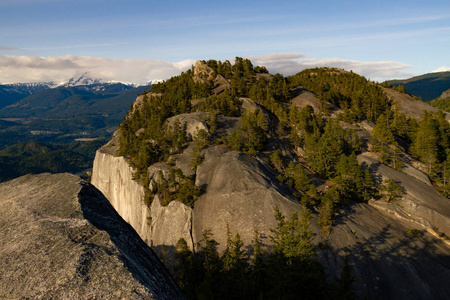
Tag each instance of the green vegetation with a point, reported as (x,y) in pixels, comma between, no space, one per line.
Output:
(329,150)
(145,137)
(175,187)
(35,157)
(441,234)
(289,271)
(414,232)
(383,141)
(251,136)
(345,90)
(442,104)
(390,190)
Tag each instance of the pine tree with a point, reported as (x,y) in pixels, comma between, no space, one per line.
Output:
(326,215)
(186,273)
(211,265)
(426,143)
(343,286)
(382,139)
(235,270)
(293,238)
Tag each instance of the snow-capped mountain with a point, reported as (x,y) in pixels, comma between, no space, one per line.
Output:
(12,92)
(30,87)
(83,79)
(80,83)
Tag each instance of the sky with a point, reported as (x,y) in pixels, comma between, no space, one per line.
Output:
(142,40)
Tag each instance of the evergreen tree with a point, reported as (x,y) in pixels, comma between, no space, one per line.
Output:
(383,139)
(343,286)
(391,190)
(426,143)
(326,216)
(293,238)
(186,273)
(211,265)
(292,270)
(235,270)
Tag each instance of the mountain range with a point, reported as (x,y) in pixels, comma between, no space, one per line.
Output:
(82,107)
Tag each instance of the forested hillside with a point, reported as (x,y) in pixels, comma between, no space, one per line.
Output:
(36,158)
(428,86)
(443,102)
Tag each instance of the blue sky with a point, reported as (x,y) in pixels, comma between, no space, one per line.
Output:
(144,40)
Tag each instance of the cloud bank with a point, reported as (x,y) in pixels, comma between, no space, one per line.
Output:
(62,68)
(441,69)
(292,63)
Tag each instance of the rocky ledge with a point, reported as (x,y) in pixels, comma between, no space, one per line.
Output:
(61,239)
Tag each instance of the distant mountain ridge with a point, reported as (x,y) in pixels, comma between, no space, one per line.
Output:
(10,93)
(13,92)
(82,107)
(428,86)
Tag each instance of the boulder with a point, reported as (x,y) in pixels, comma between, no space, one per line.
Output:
(191,123)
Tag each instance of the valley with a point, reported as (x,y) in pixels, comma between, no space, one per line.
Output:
(78,114)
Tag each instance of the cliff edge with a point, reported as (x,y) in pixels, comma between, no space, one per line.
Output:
(61,239)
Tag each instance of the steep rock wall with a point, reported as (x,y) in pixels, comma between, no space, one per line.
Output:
(113,176)
(159,226)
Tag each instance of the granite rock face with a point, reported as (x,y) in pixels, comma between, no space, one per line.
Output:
(113,176)
(241,192)
(387,262)
(445,94)
(413,108)
(63,240)
(420,203)
(191,123)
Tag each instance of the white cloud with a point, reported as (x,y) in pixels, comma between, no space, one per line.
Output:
(61,68)
(441,69)
(292,63)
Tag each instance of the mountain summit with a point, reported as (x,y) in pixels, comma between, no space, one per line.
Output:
(320,185)
(83,79)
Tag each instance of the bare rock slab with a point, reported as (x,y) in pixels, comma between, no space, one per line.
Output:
(63,240)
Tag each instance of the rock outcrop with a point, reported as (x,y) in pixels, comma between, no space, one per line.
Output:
(413,108)
(387,262)
(445,94)
(190,123)
(420,203)
(240,193)
(63,240)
